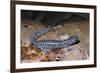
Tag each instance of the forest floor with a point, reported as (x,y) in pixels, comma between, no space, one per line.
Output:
(80,51)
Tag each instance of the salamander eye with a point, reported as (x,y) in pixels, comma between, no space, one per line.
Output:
(57,58)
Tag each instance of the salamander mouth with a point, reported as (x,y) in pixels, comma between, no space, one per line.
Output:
(75,42)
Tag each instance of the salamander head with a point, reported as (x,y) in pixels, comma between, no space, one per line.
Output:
(72,40)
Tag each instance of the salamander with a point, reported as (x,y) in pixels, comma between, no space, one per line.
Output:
(47,45)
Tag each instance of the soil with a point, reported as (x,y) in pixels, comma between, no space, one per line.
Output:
(80,51)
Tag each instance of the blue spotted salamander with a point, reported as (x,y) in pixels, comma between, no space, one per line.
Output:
(47,45)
